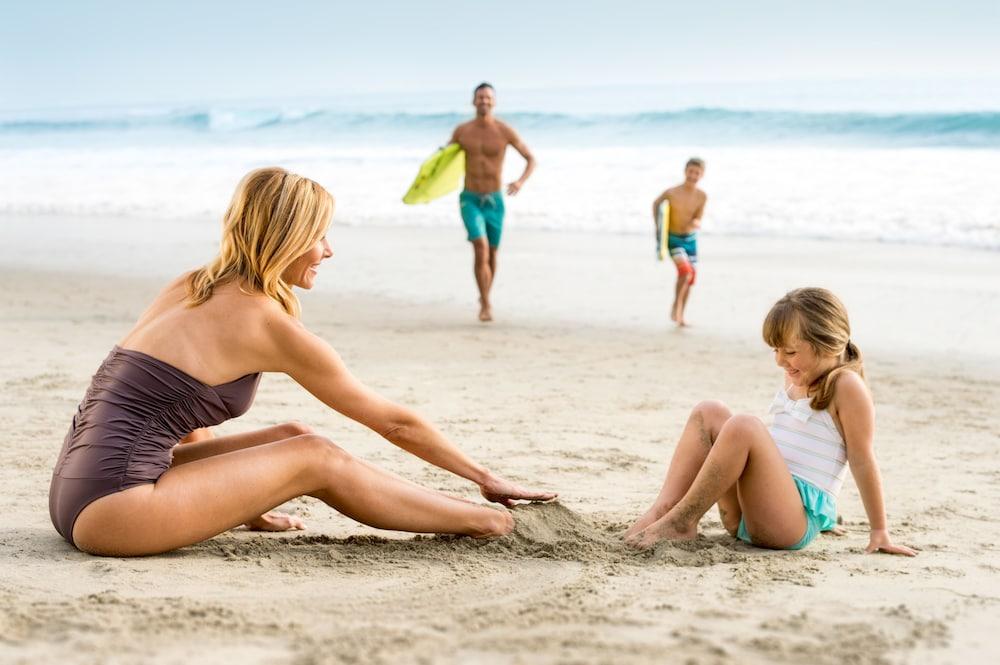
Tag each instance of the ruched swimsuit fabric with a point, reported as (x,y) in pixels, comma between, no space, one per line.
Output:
(135,411)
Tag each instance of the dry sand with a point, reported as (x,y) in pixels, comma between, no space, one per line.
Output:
(580,387)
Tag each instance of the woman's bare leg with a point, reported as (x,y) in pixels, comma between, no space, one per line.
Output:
(744,454)
(203,443)
(202,498)
(700,432)
(200,434)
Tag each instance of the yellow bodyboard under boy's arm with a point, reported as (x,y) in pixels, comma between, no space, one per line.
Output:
(662,228)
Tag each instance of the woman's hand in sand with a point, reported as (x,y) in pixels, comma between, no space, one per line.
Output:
(505,493)
(879,542)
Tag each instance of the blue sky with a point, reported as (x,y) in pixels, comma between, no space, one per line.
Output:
(55,54)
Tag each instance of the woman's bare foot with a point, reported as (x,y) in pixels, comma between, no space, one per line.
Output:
(275,522)
(485,311)
(663,529)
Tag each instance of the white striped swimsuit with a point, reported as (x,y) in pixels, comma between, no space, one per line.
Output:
(809,442)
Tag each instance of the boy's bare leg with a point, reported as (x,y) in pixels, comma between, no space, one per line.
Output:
(681,290)
(683,298)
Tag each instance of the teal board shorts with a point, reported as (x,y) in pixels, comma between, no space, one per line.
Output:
(482,214)
(821,514)
(683,247)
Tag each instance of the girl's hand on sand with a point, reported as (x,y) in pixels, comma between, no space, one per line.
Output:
(505,492)
(879,542)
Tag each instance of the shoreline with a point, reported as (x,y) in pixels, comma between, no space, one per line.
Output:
(908,301)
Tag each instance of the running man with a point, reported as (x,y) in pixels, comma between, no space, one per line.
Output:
(687,205)
(485,140)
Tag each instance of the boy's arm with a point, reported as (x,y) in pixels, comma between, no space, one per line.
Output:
(665,196)
(696,221)
(857,418)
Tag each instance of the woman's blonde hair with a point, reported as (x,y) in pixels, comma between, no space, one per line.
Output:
(274,218)
(818,318)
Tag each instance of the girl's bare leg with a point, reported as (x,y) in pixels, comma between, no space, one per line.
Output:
(199,499)
(700,432)
(744,454)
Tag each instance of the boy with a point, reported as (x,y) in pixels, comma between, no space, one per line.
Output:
(687,205)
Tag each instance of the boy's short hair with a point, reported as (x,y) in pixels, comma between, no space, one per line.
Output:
(482,85)
(696,161)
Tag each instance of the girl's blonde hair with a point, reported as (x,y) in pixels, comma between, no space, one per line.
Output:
(274,218)
(818,318)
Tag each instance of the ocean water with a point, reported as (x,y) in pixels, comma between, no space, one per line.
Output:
(918,176)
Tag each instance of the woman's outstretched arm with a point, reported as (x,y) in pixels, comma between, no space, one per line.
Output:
(318,368)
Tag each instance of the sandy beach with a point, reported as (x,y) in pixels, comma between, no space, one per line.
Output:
(581,386)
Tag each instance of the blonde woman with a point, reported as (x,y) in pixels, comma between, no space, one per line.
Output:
(120,486)
(777,486)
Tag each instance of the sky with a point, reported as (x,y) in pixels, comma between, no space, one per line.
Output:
(109,52)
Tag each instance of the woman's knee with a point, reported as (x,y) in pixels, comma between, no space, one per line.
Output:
(295,428)
(319,452)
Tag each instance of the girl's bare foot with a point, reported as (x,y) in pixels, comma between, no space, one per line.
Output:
(654,513)
(275,522)
(662,529)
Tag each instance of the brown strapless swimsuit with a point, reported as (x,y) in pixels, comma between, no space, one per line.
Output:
(136,410)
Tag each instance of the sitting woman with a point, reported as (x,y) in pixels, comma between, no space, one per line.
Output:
(777,487)
(122,487)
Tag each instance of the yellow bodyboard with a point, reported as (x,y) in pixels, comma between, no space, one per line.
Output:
(440,174)
(662,228)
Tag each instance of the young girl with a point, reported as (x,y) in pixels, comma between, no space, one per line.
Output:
(777,487)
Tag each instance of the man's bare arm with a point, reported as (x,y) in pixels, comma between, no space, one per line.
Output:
(514,140)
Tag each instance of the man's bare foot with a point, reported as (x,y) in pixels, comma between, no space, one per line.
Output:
(485,311)
(662,529)
(673,312)
(275,522)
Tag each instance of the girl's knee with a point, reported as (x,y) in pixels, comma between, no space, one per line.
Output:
(741,429)
(713,412)
(744,423)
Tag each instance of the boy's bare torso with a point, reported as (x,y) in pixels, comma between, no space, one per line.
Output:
(686,207)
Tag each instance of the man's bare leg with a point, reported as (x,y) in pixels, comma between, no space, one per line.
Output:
(483,271)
